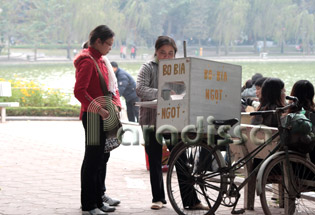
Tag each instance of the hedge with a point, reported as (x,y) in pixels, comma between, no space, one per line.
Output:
(44,111)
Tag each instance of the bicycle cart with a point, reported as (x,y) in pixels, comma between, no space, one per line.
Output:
(197,108)
(194,94)
(285,179)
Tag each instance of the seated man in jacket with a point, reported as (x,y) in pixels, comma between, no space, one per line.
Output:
(127,89)
(251,92)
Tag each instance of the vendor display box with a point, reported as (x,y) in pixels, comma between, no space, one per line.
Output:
(192,87)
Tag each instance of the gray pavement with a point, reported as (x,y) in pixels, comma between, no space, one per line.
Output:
(40,165)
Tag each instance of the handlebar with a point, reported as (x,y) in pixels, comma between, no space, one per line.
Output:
(254,113)
(293,98)
(279,109)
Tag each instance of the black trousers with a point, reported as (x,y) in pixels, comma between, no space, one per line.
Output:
(132,110)
(154,151)
(93,171)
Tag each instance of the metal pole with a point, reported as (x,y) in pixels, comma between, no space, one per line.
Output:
(184,46)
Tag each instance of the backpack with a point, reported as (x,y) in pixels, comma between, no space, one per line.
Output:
(301,136)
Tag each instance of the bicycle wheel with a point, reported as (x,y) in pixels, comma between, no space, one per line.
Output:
(288,187)
(194,177)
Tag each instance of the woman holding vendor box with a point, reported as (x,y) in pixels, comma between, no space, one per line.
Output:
(147,90)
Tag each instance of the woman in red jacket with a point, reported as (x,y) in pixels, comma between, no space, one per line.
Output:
(88,89)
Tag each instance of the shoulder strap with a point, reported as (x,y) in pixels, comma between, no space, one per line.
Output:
(102,81)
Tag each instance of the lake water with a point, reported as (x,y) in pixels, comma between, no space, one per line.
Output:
(62,75)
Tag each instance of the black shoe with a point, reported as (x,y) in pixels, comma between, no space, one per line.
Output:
(107,208)
(95,211)
(110,201)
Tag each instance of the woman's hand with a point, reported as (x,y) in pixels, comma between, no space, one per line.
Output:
(104,113)
(117,109)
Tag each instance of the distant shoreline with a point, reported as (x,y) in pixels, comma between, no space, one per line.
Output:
(245,58)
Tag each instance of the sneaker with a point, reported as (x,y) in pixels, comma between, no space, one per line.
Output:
(110,201)
(199,206)
(157,205)
(95,211)
(107,208)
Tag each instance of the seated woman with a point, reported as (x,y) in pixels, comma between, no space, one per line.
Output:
(272,96)
(304,91)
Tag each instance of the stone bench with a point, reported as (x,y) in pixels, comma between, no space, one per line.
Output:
(245,118)
(3,106)
(239,151)
(5,91)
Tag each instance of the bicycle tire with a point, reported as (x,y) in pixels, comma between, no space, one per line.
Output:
(199,179)
(288,195)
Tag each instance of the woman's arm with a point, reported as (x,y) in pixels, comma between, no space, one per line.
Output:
(83,76)
(145,88)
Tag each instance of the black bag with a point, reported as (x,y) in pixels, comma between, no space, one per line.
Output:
(112,140)
(112,125)
(300,137)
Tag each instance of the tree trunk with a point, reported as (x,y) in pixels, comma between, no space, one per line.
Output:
(307,47)
(219,45)
(68,50)
(265,43)
(255,44)
(219,48)
(35,53)
(282,41)
(226,49)
(9,44)
(282,47)
(136,38)
(68,53)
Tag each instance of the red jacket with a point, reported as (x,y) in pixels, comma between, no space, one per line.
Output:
(87,86)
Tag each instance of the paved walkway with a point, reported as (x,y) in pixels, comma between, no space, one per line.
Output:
(40,164)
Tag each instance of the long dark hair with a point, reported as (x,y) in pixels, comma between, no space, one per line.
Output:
(103,32)
(165,40)
(271,94)
(304,91)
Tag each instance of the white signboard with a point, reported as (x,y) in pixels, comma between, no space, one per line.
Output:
(192,87)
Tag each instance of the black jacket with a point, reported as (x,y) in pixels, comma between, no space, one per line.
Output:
(126,85)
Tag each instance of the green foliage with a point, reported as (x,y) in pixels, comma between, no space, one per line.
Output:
(34,100)
(73,111)
(139,22)
(31,94)
(231,20)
